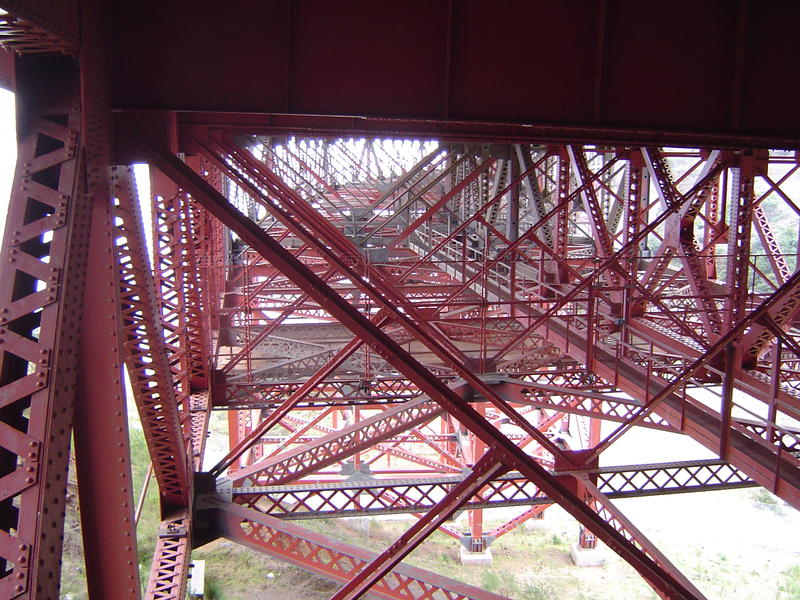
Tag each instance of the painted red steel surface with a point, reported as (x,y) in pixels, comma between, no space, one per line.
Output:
(102,448)
(604,66)
(145,349)
(43,272)
(335,559)
(375,314)
(652,565)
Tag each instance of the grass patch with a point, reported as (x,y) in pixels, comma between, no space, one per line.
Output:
(789,586)
(763,500)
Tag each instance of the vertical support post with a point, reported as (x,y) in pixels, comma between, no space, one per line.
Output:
(235,434)
(741,208)
(512,231)
(732,359)
(475,515)
(512,219)
(591,326)
(774,389)
(170,570)
(43,270)
(561,242)
(711,231)
(634,178)
(102,448)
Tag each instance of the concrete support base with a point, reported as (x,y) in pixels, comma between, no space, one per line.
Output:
(475,558)
(584,557)
(536,525)
(358,524)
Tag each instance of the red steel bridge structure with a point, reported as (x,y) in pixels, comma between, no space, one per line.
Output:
(427,256)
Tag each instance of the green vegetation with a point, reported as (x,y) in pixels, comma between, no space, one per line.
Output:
(73,571)
(232,572)
(149,519)
(763,500)
(789,587)
(527,565)
(507,584)
(236,573)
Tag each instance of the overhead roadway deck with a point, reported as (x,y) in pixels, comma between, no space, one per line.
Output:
(714,73)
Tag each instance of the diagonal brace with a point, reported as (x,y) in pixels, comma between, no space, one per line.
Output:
(489,466)
(388,348)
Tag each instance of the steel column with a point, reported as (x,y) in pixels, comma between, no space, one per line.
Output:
(43,269)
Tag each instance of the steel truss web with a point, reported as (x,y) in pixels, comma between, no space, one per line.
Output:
(392,326)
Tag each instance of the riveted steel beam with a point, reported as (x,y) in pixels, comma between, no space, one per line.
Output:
(660,577)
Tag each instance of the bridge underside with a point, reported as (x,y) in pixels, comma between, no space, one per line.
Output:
(418,278)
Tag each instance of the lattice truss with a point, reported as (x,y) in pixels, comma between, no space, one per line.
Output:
(419,327)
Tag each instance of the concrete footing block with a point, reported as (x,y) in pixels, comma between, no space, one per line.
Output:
(536,525)
(585,557)
(475,558)
(358,524)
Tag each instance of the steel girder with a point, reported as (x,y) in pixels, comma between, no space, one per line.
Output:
(44,269)
(629,245)
(146,351)
(419,494)
(582,307)
(102,449)
(366,578)
(291,209)
(340,444)
(179,289)
(169,572)
(332,558)
(146,358)
(734,56)
(655,570)
(25,33)
(567,332)
(576,338)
